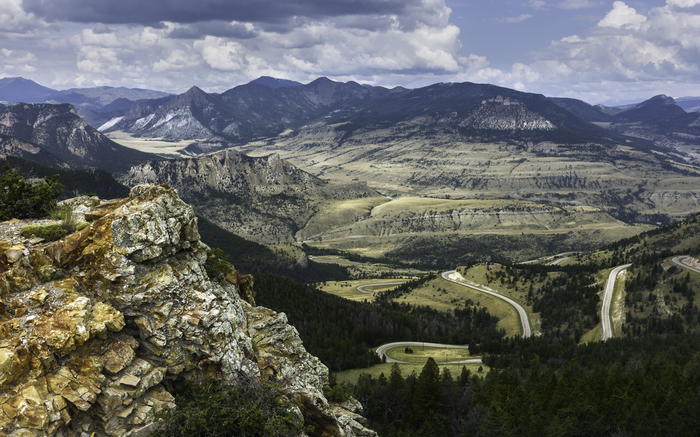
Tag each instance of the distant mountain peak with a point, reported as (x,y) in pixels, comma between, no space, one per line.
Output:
(14,89)
(273,82)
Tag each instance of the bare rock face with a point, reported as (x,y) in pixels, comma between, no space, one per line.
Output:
(90,326)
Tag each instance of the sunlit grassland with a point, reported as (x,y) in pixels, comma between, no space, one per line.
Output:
(166,149)
(443,166)
(482,275)
(348,289)
(593,335)
(335,214)
(421,354)
(352,375)
(617,305)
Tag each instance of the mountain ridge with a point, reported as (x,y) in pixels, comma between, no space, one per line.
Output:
(59,130)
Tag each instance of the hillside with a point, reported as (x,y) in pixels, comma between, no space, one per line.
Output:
(17,147)
(661,120)
(266,199)
(60,131)
(461,140)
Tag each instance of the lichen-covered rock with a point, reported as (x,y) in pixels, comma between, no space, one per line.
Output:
(91,325)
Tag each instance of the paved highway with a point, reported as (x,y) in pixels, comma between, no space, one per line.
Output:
(547,257)
(554,263)
(607,299)
(381,350)
(361,288)
(677,261)
(521,311)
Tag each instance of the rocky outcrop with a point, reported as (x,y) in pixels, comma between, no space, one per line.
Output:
(265,199)
(91,325)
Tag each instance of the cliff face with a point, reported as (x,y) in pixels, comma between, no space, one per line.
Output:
(265,199)
(90,326)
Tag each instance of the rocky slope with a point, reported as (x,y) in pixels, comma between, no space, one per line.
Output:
(59,130)
(265,199)
(242,113)
(13,146)
(90,325)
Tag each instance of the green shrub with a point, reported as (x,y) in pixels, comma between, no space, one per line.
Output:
(338,393)
(217,265)
(65,214)
(20,199)
(50,232)
(249,408)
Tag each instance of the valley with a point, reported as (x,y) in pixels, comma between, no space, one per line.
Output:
(371,216)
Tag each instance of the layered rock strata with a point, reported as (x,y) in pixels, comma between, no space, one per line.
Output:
(91,325)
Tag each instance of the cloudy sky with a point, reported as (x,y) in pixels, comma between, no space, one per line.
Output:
(597,51)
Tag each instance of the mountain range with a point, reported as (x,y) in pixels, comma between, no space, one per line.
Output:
(59,131)
(313,161)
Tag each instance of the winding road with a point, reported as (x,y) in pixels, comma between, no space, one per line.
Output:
(381,351)
(607,299)
(521,311)
(677,261)
(361,288)
(548,257)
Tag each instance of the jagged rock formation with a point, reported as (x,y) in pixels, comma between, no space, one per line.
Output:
(265,199)
(59,130)
(90,325)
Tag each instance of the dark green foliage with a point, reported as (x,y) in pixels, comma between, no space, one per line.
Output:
(458,250)
(338,392)
(404,288)
(50,232)
(340,332)
(251,257)
(217,265)
(250,408)
(316,251)
(569,301)
(21,199)
(632,391)
(75,182)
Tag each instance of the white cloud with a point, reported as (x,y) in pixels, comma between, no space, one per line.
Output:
(684,3)
(16,62)
(626,54)
(14,20)
(538,5)
(518,19)
(221,54)
(622,16)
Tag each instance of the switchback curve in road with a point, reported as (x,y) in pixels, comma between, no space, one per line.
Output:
(381,351)
(361,288)
(544,258)
(677,261)
(521,311)
(607,299)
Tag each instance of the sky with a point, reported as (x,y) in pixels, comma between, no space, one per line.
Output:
(597,51)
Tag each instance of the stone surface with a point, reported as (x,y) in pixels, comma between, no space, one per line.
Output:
(90,325)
